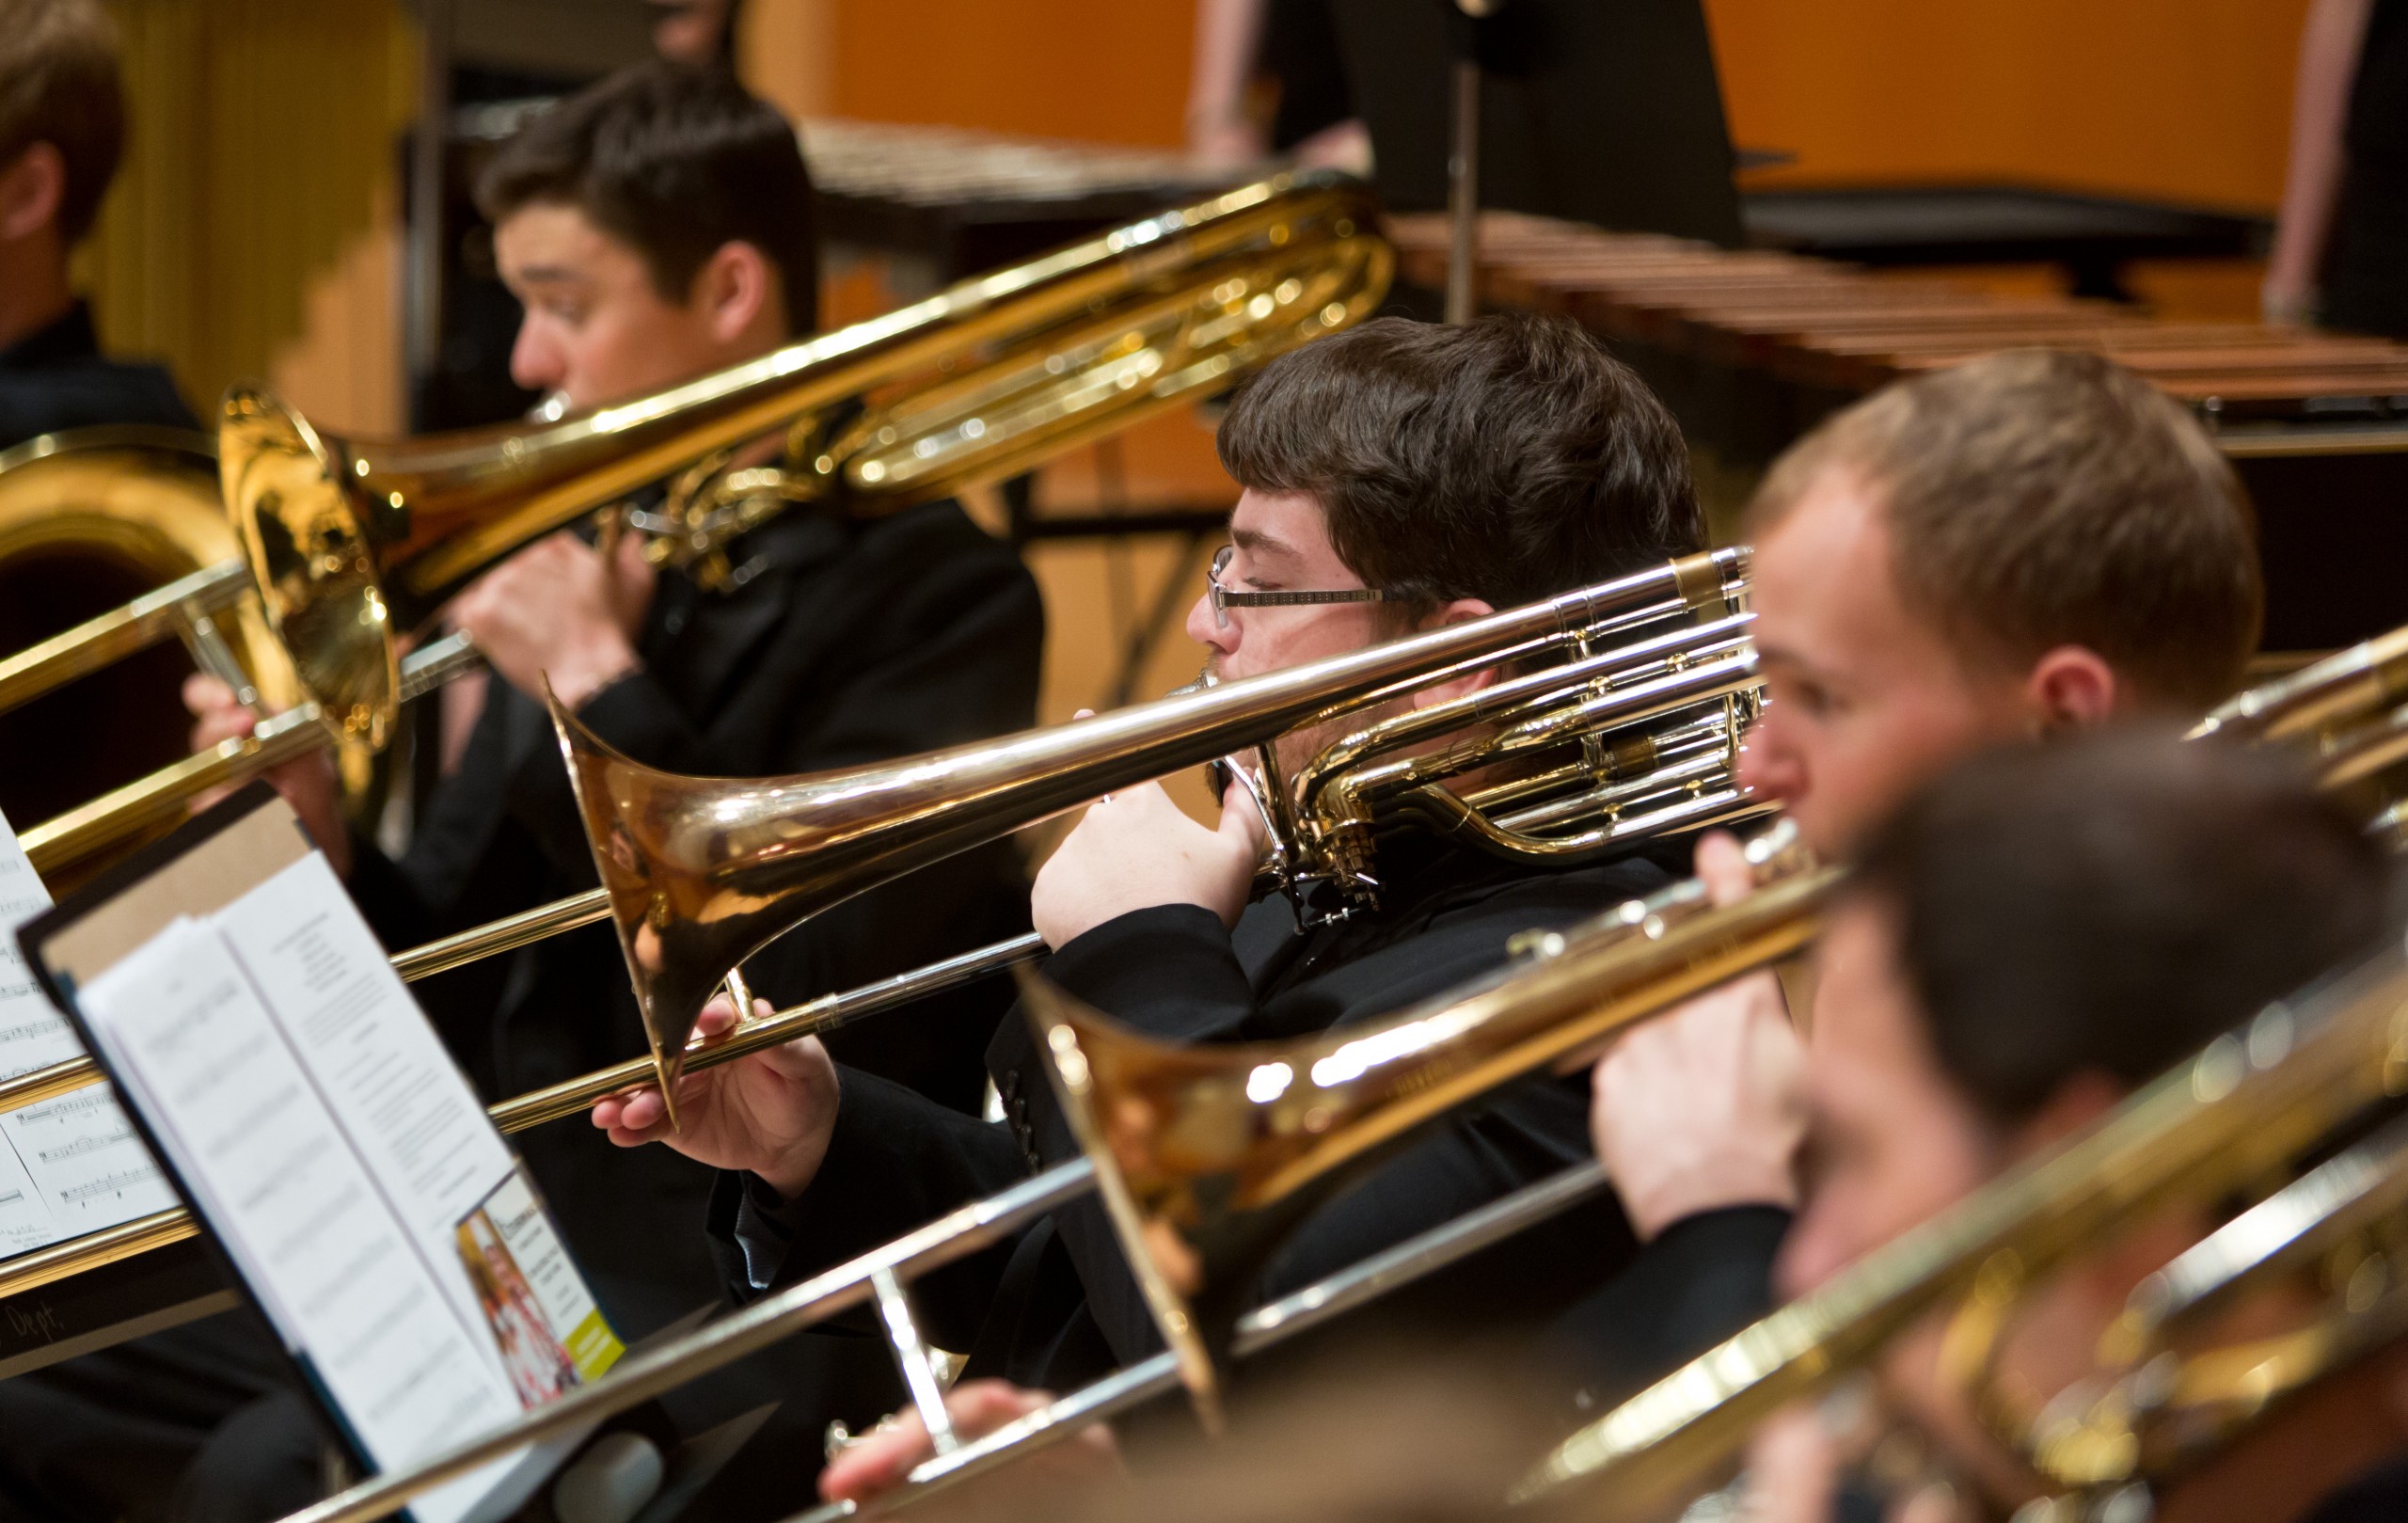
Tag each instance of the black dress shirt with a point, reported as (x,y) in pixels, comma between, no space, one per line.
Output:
(55,378)
(1055,1306)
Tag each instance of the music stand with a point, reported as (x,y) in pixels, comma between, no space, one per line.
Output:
(1600,111)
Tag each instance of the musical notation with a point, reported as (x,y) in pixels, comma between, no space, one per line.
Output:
(71,1164)
(116,1183)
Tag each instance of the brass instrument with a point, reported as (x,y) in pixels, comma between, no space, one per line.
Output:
(88,519)
(352,543)
(2250,1104)
(829,1012)
(1615,787)
(703,872)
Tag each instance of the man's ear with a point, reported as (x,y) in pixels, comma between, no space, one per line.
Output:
(2072,687)
(1462,611)
(30,191)
(735,290)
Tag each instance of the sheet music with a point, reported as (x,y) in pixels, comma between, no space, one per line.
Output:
(297,1207)
(71,1164)
(371,1054)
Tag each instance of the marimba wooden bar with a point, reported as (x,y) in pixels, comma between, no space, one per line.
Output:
(1752,347)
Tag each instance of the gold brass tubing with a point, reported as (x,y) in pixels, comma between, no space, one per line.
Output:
(2250,1102)
(507,934)
(121,632)
(826,1013)
(809,1019)
(121,812)
(489,940)
(35,1086)
(65,838)
(2343,687)
(47,1267)
(2361,754)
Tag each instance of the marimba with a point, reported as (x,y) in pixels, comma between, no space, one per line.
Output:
(1752,347)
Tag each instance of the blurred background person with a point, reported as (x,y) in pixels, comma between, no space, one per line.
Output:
(2340,255)
(62,130)
(2025,944)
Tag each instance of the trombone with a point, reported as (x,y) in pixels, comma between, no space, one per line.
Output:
(703,872)
(349,543)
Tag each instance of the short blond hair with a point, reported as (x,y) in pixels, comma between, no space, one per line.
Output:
(58,84)
(2039,498)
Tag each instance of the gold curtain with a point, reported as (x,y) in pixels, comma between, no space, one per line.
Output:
(263,149)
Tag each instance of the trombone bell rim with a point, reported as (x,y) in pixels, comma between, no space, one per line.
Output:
(314,561)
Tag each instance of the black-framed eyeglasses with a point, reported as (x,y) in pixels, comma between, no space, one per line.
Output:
(1224,599)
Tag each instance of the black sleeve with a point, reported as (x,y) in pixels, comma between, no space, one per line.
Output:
(1169,971)
(895,1161)
(1702,1279)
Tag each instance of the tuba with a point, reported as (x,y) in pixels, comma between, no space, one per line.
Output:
(123,525)
(353,544)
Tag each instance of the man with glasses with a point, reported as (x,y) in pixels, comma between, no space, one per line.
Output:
(1397,478)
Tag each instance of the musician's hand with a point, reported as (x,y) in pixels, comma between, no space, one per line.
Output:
(1705,1106)
(1134,849)
(767,1113)
(561,609)
(308,782)
(1794,1465)
(880,1459)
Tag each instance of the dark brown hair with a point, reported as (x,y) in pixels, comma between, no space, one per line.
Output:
(2037,499)
(1505,460)
(676,162)
(2109,903)
(58,84)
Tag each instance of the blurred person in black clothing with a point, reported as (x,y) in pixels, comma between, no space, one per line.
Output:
(2341,254)
(2023,946)
(62,127)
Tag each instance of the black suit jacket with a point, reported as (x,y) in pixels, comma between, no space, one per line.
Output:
(55,378)
(1055,1307)
(847,643)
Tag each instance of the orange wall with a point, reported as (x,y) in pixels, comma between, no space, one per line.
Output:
(2185,98)
(1105,69)
(2181,98)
